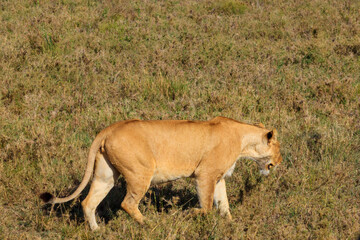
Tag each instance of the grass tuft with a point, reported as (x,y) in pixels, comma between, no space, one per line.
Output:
(228,7)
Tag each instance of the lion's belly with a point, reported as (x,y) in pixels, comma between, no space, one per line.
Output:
(161,176)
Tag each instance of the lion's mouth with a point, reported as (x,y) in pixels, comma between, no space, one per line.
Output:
(264,172)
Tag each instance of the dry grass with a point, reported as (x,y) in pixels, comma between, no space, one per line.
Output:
(70,68)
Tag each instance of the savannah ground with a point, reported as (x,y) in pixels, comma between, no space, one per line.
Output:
(70,68)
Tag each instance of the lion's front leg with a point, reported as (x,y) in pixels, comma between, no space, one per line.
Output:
(220,199)
(205,189)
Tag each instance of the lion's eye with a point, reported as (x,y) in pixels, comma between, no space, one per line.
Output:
(270,166)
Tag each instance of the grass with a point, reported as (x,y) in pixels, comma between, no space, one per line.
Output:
(70,68)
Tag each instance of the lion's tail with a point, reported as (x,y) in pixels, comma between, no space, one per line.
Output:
(95,146)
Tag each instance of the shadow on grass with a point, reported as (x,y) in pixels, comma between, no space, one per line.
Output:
(248,187)
(161,197)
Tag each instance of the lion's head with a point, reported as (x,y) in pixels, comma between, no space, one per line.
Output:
(270,149)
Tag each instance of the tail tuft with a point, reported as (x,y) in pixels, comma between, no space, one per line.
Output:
(46,197)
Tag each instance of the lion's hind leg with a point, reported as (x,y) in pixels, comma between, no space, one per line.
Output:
(136,187)
(105,176)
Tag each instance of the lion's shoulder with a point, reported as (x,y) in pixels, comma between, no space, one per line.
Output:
(220,119)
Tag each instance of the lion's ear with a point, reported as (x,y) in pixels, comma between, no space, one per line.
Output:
(275,133)
(270,136)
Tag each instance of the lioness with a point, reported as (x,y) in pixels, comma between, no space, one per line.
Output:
(147,152)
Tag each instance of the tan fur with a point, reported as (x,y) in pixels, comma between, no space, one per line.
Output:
(150,152)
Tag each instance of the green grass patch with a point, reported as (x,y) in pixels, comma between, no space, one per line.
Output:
(228,7)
